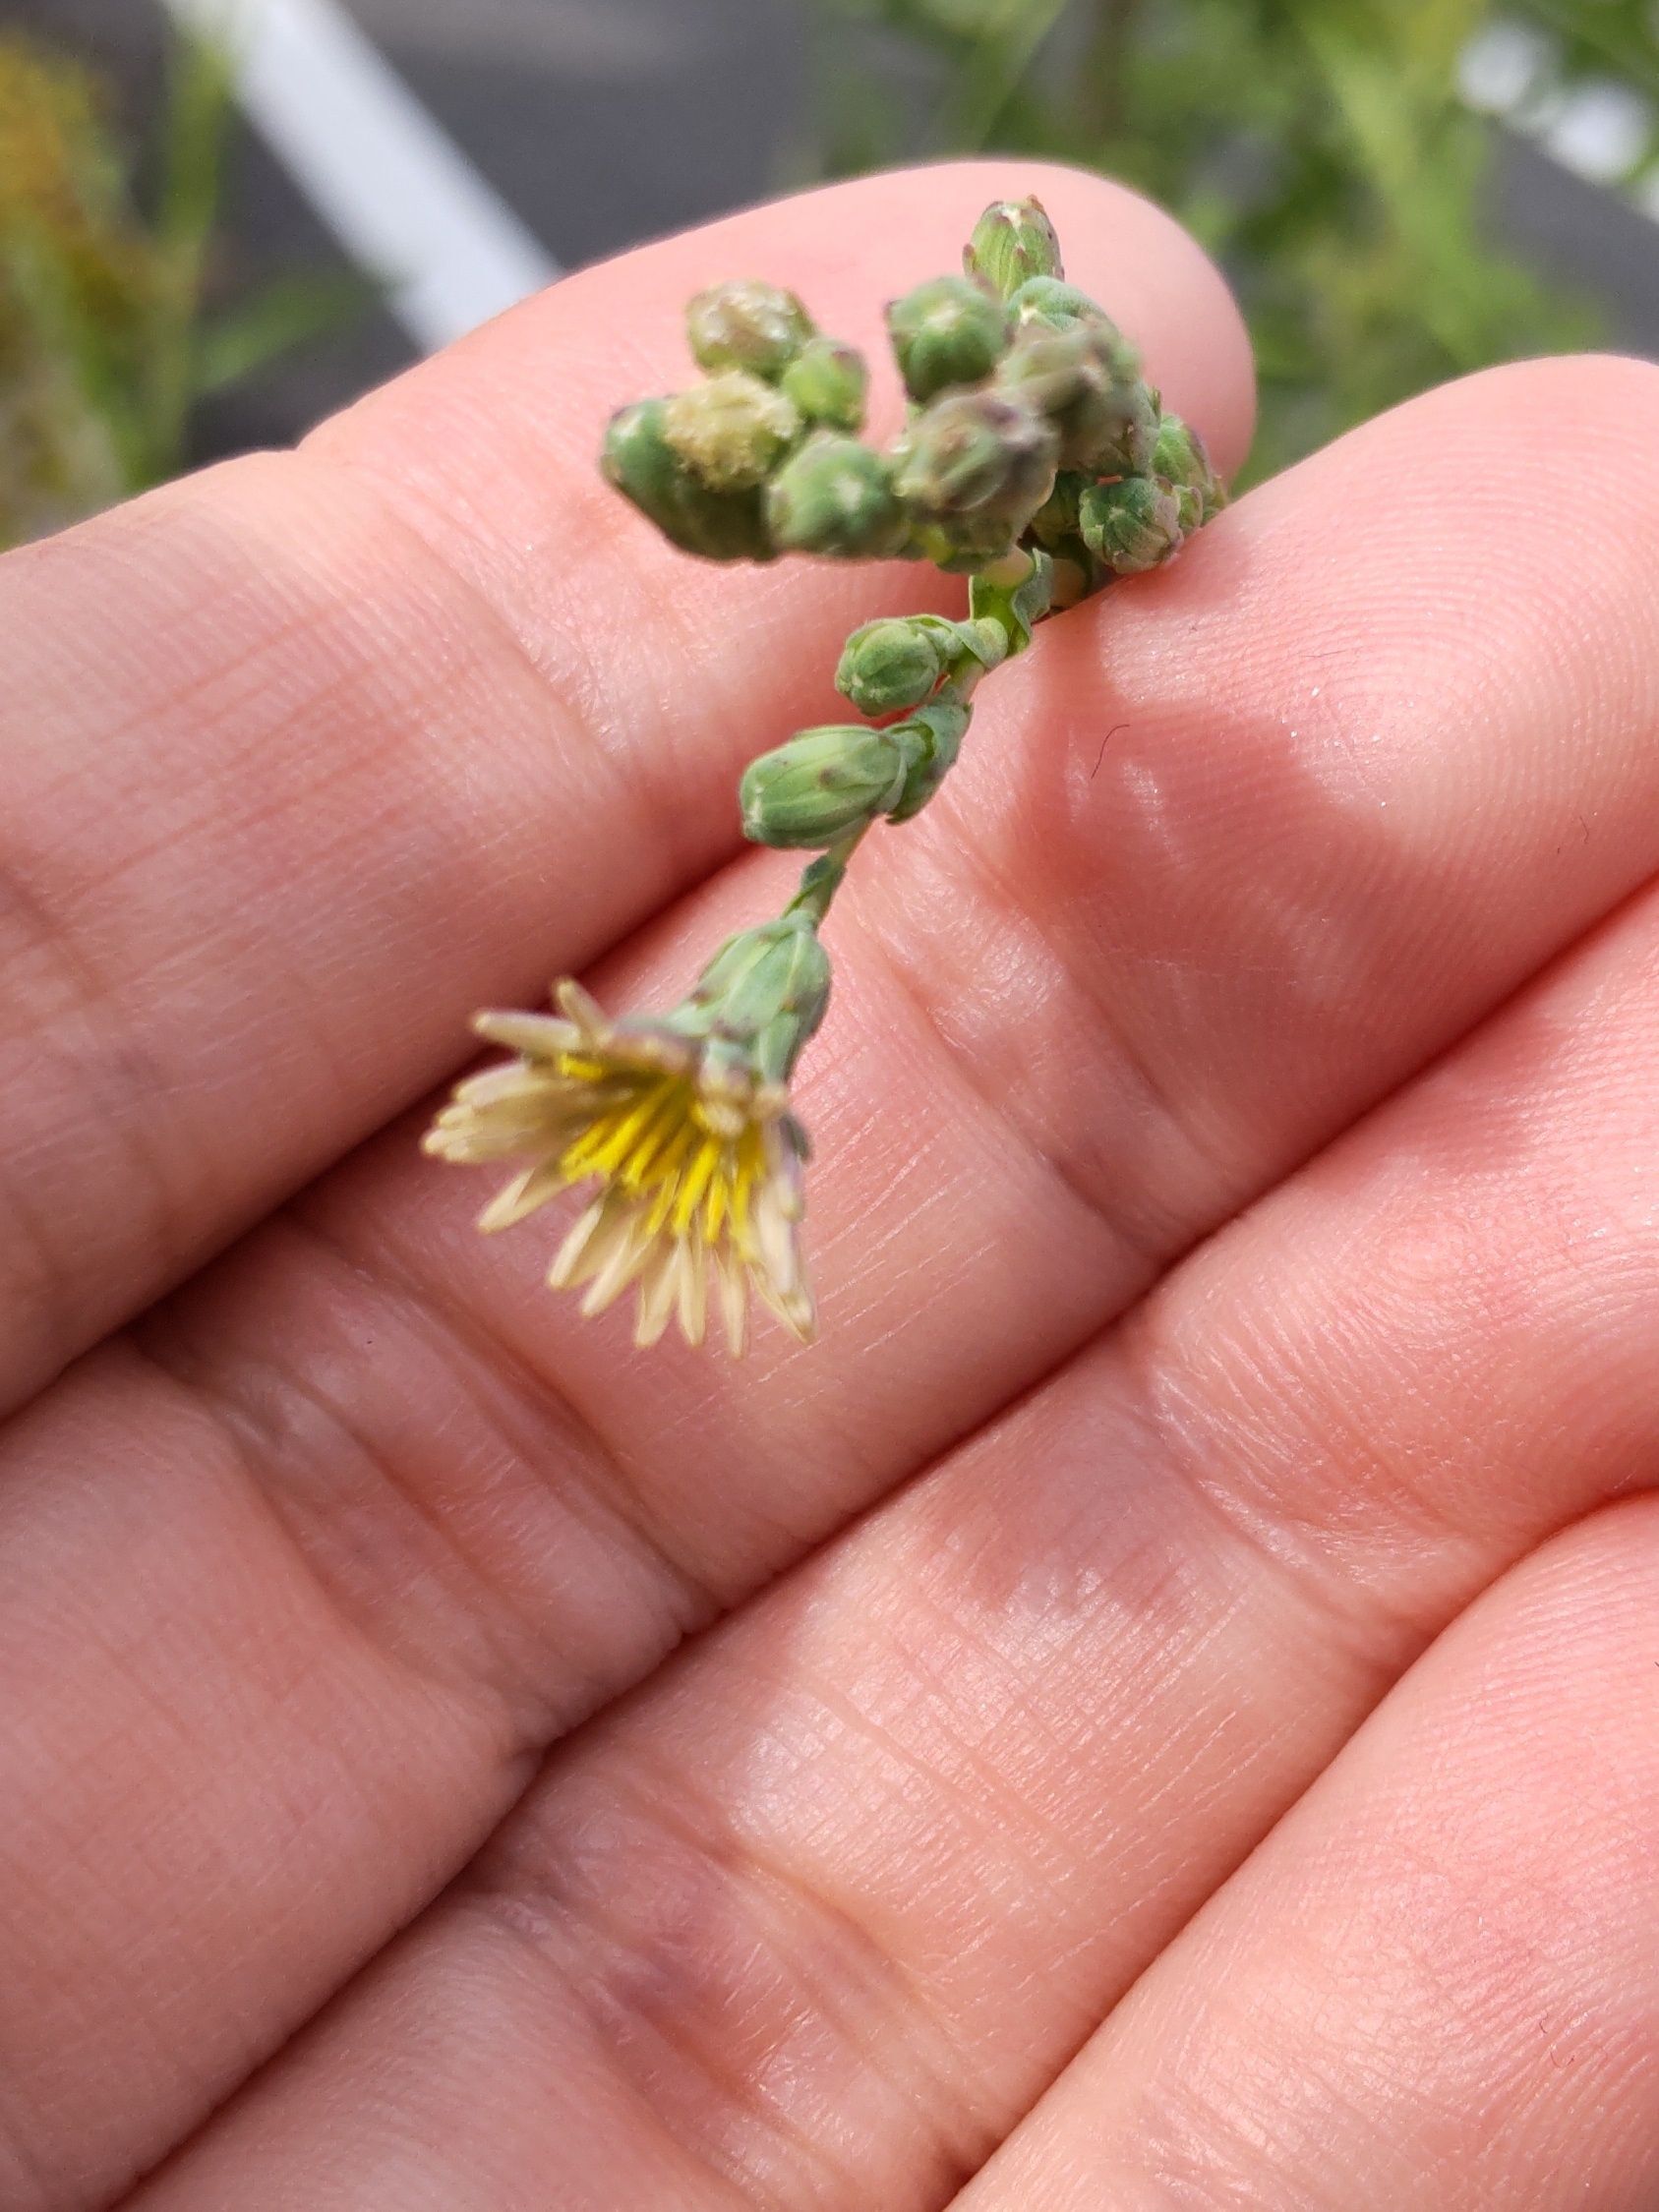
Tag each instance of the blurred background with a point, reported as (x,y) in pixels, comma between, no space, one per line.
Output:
(220,218)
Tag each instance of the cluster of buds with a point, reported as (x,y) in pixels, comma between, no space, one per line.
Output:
(1030,426)
(1036,460)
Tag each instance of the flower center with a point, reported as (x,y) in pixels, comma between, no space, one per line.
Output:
(652,1140)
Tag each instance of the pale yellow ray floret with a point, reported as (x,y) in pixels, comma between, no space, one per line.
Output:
(697,1160)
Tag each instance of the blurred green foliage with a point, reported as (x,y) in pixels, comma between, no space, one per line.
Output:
(107,339)
(1601,38)
(1321,148)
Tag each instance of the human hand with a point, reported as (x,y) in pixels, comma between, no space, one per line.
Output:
(1234,1217)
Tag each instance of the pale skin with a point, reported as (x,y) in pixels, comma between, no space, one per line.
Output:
(1236,1222)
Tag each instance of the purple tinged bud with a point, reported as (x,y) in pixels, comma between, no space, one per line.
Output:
(1132,526)
(979,457)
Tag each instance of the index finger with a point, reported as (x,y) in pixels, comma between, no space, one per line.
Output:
(305,758)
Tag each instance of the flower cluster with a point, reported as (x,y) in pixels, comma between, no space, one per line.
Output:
(1029,425)
(1037,461)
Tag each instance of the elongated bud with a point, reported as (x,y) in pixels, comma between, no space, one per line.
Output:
(889,666)
(765,991)
(835,497)
(978,456)
(746,326)
(1012,241)
(828,382)
(732,430)
(933,734)
(1133,525)
(638,459)
(1179,457)
(948,331)
(823,784)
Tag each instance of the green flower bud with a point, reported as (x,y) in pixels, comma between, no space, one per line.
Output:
(1058,306)
(828,383)
(822,783)
(977,457)
(933,737)
(1179,457)
(1012,242)
(889,666)
(1075,378)
(746,326)
(640,462)
(732,430)
(948,331)
(765,991)
(638,459)
(835,497)
(1133,525)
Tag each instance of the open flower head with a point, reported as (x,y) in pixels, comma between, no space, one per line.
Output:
(682,1124)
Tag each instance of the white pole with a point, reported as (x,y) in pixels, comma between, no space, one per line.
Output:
(395,190)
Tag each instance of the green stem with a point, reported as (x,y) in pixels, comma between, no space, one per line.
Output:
(1105,69)
(194,140)
(1010,620)
(993,72)
(824,877)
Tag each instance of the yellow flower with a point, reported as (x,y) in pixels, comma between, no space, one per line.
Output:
(697,1158)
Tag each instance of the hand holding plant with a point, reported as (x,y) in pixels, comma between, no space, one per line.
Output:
(1163,1709)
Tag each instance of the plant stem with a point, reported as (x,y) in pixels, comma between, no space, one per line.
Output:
(193,145)
(824,877)
(1009,623)
(1106,70)
(992,74)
